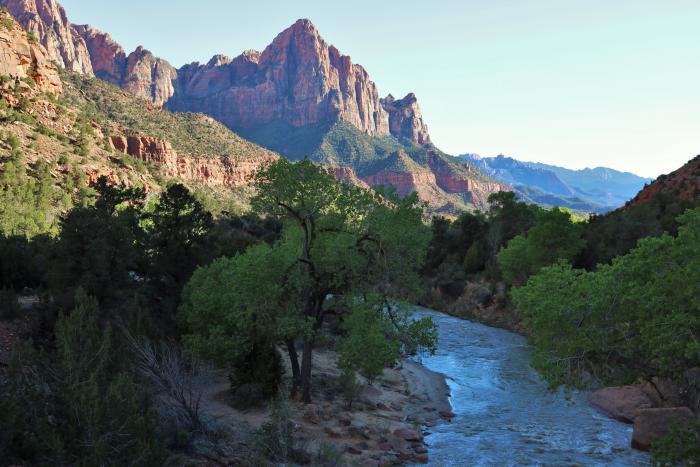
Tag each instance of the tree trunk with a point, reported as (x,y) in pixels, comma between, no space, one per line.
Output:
(306,370)
(294,361)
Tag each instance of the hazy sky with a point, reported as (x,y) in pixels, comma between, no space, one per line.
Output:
(573,82)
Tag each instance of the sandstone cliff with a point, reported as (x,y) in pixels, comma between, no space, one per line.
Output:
(48,20)
(21,59)
(406,119)
(218,171)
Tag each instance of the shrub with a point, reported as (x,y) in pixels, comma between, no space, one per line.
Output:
(9,306)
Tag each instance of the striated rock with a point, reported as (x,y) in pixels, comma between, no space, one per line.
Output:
(652,424)
(621,403)
(298,79)
(149,77)
(209,171)
(20,59)
(107,56)
(48,20)
(405,119)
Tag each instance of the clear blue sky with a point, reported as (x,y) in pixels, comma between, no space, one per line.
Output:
(573,82)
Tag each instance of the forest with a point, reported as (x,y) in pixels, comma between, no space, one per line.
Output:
(133,292)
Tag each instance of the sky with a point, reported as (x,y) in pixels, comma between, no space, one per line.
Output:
(577,83)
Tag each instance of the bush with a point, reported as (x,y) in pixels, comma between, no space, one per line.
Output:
(681,447)
(9,306)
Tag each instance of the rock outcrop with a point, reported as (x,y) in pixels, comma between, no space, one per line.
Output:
(22,59)
(298,79)
(225,171)
(406,119)
(47,19)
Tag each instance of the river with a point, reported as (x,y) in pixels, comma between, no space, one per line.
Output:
(505,413)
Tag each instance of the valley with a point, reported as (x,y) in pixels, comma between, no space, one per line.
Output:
(260,261)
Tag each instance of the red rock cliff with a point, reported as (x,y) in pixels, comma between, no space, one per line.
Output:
(206,170)
(48,20)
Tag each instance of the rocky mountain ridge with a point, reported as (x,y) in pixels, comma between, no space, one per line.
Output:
(593,190)
(289,98)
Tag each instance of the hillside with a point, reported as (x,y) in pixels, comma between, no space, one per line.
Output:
(683,183)
(60,130)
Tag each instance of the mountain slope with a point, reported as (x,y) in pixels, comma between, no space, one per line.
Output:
(60,130)
(683,183)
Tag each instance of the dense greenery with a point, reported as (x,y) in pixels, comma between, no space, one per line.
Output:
(342,250)
(77,405)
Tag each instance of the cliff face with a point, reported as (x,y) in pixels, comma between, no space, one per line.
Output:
(406,119)
(684,183)
(298,79)
(48,20)
(229,172)
(21,59)
(108,57)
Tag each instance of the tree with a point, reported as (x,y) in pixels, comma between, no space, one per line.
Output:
(97,250)
(78,406)
(339,242)
(176,231)
(553,237)
(638,317)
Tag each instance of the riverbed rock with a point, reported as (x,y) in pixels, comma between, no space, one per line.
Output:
(652,424)
(408,435)
(621,403)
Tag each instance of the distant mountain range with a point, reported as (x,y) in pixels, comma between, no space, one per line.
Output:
(594,190)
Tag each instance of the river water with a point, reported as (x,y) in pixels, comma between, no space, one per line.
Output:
(506,415)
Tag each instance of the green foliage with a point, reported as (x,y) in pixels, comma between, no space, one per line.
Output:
(98,248)
(616,233)
(31,37)
(366,348)
(680,447)
(553,237)
(636,318)
(29,201)
(176,231)
(337,241)
(76,407)
(513,261)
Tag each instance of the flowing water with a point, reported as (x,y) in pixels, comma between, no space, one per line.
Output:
(505,413)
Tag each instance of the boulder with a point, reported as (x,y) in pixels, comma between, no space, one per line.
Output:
(408,435)
(621,403)
(652,424)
